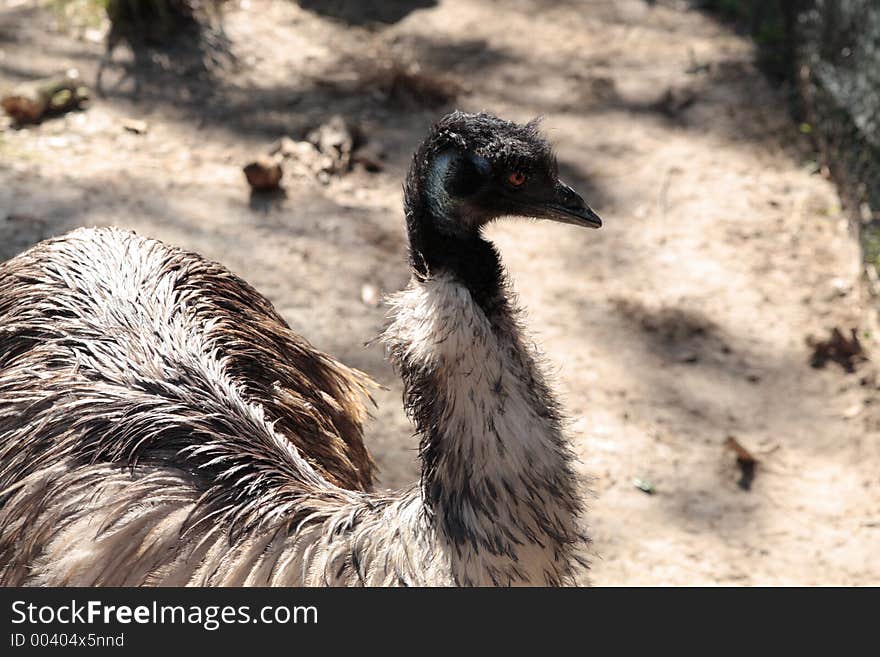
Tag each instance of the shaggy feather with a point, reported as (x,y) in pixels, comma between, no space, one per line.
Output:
(161,425)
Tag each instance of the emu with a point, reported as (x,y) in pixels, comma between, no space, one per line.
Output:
(160,423)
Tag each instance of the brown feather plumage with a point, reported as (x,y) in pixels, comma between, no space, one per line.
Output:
(312,399)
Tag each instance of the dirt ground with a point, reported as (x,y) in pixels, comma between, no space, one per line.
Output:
(680,324)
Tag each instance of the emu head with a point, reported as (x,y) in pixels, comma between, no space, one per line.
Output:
(473,168)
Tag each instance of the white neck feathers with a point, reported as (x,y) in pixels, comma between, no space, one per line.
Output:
(497,473)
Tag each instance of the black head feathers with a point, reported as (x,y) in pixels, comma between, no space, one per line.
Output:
(470,170)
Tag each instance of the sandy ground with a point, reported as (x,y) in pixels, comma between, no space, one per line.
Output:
(678,325)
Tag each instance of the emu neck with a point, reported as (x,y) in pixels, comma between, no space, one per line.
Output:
(466,258)
(497,478)
(441,241)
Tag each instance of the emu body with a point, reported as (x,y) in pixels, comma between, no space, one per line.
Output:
(161,425)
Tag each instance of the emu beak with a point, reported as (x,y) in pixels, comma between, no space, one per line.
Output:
(569,208)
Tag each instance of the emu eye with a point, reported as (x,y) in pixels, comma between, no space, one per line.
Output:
(516,179)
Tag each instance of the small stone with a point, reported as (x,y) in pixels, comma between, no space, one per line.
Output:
(263,173)
(852,411)
(644,485)
(93,35)
(57,142)
(841,287)
(136,126)
(370,295)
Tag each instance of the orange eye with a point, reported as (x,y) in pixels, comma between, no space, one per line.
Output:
(516,178)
